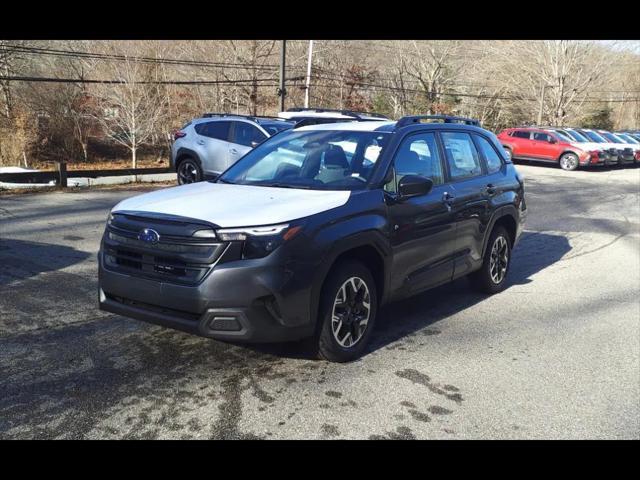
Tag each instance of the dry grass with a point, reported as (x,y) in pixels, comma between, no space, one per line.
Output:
(103,165)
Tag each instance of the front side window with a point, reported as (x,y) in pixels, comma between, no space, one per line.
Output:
(462,156)
(246,134)
(494,162)
(563,137)
(312,159)
(417,155)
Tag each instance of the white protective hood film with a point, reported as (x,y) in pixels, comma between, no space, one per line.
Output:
(235,205)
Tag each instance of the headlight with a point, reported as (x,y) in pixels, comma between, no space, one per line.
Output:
(110,218)
(259,241)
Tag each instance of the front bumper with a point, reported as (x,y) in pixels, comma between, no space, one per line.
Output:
(245,300)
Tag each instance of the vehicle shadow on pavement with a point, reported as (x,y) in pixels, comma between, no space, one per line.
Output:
(22,259)
(534,252)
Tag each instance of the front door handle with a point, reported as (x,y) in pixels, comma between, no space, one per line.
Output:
(200,142)
(233,151)
(447,199)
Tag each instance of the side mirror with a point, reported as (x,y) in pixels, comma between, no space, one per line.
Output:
(254,144)
(552,140)
(414,185)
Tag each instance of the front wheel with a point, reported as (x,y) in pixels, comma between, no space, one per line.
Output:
(347,311)
(569,161)
(491,278)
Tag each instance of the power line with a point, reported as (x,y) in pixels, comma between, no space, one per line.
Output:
(248,81)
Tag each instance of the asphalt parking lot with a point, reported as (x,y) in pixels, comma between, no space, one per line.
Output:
(557,355)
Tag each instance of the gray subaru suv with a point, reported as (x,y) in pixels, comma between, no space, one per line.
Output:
(207,146)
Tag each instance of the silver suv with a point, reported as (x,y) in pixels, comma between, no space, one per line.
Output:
(207,146)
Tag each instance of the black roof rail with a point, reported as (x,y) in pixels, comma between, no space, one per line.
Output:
(349,113)
(316,121)
(408,120)
(254,118)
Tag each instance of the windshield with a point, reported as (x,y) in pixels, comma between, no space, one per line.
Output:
(612,137)
(595,137)
(276,127)
(577,136)
(627,138)
(561,135)
(316,159)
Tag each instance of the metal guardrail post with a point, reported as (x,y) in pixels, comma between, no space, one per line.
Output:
(62,174)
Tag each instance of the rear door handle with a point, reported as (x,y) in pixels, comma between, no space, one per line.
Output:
(234,151)
(200,142)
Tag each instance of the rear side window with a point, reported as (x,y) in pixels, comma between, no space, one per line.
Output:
(494,162)
(462,156)
(217,130)
(541,137)
(246,134)
(520,134)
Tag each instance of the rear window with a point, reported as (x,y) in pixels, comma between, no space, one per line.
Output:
(520,134)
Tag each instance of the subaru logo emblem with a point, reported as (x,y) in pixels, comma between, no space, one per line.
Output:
(148,235)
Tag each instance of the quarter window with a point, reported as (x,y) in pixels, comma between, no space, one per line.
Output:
(418,155)
(462,156)
(494,162)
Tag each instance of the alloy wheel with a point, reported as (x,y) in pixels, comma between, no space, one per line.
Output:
(499,260)
(187,172)
(351,311)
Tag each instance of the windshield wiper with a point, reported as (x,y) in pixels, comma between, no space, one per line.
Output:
(284,185)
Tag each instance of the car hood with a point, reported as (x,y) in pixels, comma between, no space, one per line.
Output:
(234,205)
(589,146)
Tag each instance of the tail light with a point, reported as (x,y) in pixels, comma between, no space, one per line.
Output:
(179,134)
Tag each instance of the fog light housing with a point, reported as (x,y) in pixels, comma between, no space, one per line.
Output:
(225,324)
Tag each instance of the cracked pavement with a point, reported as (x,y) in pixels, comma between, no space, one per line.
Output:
(557,355)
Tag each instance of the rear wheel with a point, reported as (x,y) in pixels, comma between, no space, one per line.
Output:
(189,171)
(347,311)
(569,161)
(491,278)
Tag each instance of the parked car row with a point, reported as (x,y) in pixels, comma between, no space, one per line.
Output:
(571,147)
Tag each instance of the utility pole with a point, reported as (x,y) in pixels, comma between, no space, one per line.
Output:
(282,90)
(306,92)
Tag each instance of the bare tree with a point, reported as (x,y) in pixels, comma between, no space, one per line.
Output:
(129,111)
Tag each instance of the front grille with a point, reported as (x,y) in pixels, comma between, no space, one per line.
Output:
(174,259)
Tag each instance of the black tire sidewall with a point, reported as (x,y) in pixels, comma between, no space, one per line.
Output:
(195,163)
(328,347)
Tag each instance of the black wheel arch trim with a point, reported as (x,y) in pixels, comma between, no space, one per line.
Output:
(372,239)
(186,152)
(501,212)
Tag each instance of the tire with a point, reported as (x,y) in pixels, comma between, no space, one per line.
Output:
(334,337)
(188,171)
(486,281)
(569,161)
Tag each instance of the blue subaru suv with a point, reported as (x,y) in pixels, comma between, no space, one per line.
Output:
(309,233)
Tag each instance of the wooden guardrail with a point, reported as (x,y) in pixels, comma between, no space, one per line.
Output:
(61,174)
